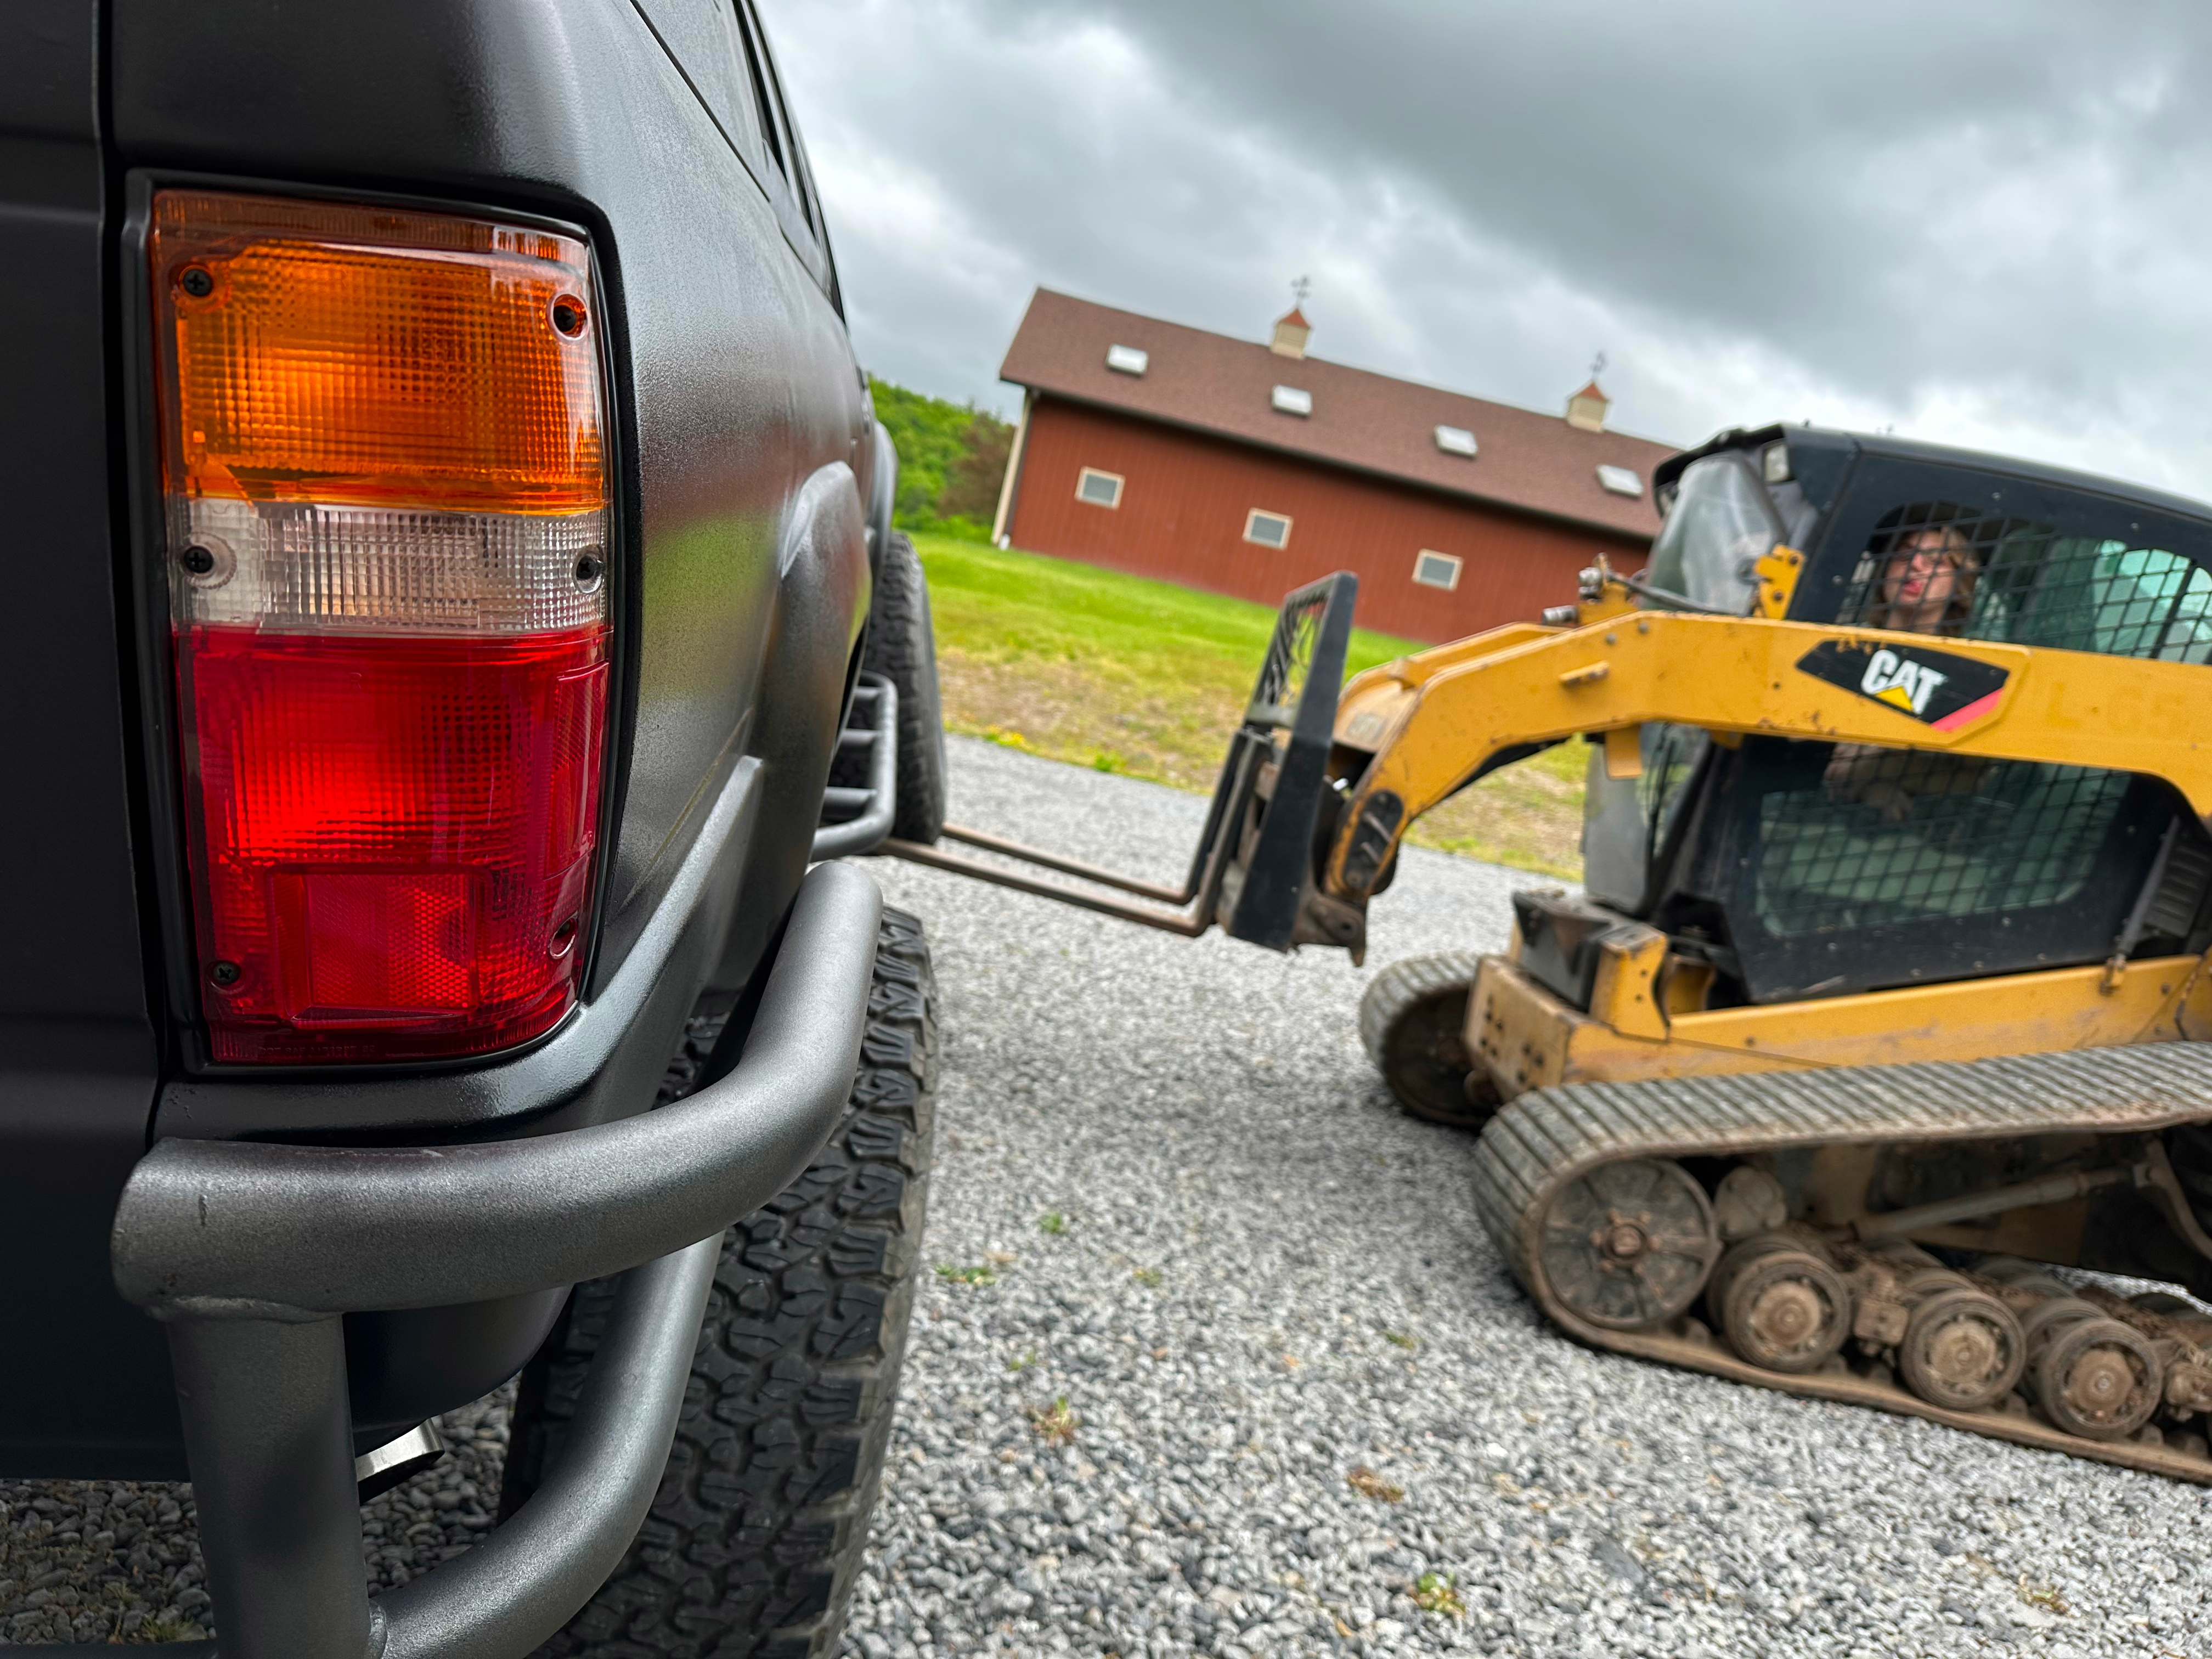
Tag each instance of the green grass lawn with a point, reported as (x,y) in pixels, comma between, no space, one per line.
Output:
(1130,675)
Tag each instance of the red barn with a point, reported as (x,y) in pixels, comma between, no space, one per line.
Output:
(1249,469)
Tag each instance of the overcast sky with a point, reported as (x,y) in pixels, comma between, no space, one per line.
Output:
(1987,224)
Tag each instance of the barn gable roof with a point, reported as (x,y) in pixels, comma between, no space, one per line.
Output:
(1370,422)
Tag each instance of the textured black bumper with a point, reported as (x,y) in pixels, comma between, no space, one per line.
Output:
(250,1252)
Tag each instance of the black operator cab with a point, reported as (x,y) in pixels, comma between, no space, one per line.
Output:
(1806,869)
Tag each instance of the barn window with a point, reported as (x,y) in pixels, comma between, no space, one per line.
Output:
(1455,440)
(1433,569)
(1268,529)
(1620,480)
(1127,360)
(1292,400)
(1099,489)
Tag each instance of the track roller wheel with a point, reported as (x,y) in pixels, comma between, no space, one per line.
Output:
(1962,1349)
(2097,1378)
(1413,1022)
(1783,1306)
(1628,1245)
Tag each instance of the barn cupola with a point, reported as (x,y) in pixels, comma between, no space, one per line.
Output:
(1586,409)
(1292,333)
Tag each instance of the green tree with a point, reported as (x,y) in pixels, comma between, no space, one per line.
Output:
(952,458)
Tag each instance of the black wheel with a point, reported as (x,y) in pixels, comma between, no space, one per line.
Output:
(755,1536)
(1413,1022)
(1628,1246)
(902,647)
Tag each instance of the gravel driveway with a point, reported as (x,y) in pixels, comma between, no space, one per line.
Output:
(1218,1357)
(1264,1279)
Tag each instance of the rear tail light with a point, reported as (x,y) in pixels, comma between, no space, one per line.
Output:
(386,493)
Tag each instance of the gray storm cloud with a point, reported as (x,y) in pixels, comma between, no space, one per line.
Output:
(1983,224)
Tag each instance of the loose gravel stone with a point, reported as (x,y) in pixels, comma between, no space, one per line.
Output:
(1224,1271)
(119,1560)
(1195,1270)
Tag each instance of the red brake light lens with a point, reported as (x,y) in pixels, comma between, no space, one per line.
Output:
(383,458)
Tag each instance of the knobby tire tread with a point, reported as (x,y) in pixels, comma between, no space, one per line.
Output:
(755,1537)
(901,646)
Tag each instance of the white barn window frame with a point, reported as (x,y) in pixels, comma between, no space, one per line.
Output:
(1435,570)
(1268,529)
(1097,488)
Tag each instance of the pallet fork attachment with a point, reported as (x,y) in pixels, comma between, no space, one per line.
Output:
(1254,869)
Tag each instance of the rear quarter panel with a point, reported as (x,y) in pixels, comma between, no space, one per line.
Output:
(733,366)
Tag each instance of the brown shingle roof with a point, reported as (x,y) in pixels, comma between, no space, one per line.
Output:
(1362,420)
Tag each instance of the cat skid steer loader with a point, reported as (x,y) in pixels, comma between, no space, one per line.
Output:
(1884,997)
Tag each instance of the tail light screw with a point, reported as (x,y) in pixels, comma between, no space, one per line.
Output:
(224,974)
(568,316)
(563,937)
(210,563)
(589,569)
(196,281)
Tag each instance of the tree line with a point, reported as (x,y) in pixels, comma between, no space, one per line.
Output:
(952,458)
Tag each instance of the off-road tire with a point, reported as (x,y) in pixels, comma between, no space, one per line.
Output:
(902,647)
(1411,1022)
(756,1534)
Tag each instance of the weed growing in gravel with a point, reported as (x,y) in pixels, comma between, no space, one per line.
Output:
(2045,1597)
(1400,1339)
(1367,1484)
(1055,1422)
(968,1275)
(169,1630)
(1053,1222)
(1434,1592)
(1024,1363)
(1149,1276)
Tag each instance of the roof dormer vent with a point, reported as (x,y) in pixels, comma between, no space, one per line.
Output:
(1127,360)
(1455,440)
(1291,400)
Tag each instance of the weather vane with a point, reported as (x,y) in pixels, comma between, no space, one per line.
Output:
(1300,289)
(1597,365)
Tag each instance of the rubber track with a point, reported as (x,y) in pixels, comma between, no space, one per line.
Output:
(1541,1141)
(1405,982)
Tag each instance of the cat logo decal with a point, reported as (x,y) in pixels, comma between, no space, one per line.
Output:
(1936,688)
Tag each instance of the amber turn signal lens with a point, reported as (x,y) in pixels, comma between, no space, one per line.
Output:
(334,352)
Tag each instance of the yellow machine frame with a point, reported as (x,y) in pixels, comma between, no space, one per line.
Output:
(1432,720)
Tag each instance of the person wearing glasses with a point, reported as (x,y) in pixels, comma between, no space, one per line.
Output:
(1927,586)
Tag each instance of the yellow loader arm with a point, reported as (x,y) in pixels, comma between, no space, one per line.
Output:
(1435,721)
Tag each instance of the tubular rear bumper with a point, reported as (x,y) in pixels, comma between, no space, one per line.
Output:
(251,1252)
